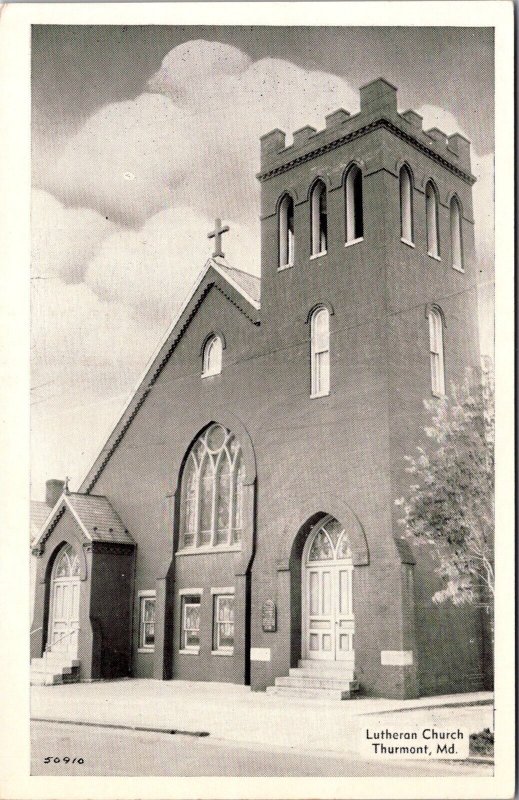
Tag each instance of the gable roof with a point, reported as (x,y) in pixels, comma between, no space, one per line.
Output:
(38,514)
(241,289)
(250,284)
(96,517)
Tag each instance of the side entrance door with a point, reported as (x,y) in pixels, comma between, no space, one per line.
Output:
(327,602)
(64,603)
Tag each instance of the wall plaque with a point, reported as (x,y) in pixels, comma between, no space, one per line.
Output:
(269,616)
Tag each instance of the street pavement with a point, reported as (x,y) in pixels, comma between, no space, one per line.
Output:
(238,716)
(115,752)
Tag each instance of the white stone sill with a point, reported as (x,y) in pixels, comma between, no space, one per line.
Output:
(458,268)
(191,652)
(321,394)
(436,258)
(199,551)
(407,242)
(284,267)
(145,649)
(318,255)
(210,374)
(354,241)
(222,652)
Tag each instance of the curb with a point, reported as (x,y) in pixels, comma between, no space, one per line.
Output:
(457,704)
(120,726)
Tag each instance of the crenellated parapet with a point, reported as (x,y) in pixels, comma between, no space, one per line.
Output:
(378,108)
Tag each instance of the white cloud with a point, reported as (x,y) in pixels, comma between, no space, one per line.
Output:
(193,140)
(63,240)
(151,269)
(483,192)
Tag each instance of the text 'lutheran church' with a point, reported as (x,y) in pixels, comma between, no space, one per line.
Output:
(240,522)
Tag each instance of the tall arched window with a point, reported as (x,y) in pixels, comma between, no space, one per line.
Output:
(319,219)
(436,351)
(353,204)
(212,358)
(433,232)
(286,232)
(320,352)
(456,238)
(212,489)
(406,205)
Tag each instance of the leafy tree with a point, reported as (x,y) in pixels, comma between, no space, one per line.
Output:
(450,507)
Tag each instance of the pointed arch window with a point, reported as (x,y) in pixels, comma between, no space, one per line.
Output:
(212,357)
(212,491)
(436,352)
(319,219)
(456,236)
(406,205)
(286,232)
(320,352)
(67,564)
(433,232)
(353,205)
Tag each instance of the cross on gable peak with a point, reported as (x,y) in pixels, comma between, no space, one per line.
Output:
(219,229)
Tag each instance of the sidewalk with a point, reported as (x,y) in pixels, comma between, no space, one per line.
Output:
(234,713)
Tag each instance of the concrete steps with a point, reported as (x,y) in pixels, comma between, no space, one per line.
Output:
(320,680)
(54,669)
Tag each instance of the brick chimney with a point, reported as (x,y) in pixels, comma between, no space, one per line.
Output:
(53,491)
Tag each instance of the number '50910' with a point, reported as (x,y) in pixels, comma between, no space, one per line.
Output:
(64,760)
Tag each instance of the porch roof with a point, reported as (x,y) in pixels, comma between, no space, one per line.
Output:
(98,519)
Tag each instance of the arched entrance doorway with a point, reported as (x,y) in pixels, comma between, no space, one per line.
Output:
(64,603)
(328,622)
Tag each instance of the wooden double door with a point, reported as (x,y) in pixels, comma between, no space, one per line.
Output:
(327,602)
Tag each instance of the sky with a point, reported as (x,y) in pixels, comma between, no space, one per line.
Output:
(142,135)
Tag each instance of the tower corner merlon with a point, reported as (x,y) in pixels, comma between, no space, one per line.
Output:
(271,144)
(378,96)
(459,145)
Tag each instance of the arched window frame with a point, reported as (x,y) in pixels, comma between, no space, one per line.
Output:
(319,353)
(432,220)
(456,216)
(353,205)
(436,350)
(406,205)
(318,220)
(203,490)
(212,356)
(286,232)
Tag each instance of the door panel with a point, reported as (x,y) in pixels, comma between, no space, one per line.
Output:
(320,623)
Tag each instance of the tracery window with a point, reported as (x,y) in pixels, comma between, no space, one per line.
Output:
(431,208)
(286,232)
(353,205)
(406,205)
(331,541)
(67,565)
(212,358)
(212,491)
(456,240)
(319,219)
(320,352)
(436,352)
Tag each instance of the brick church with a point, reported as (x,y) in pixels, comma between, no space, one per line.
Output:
(240,523)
